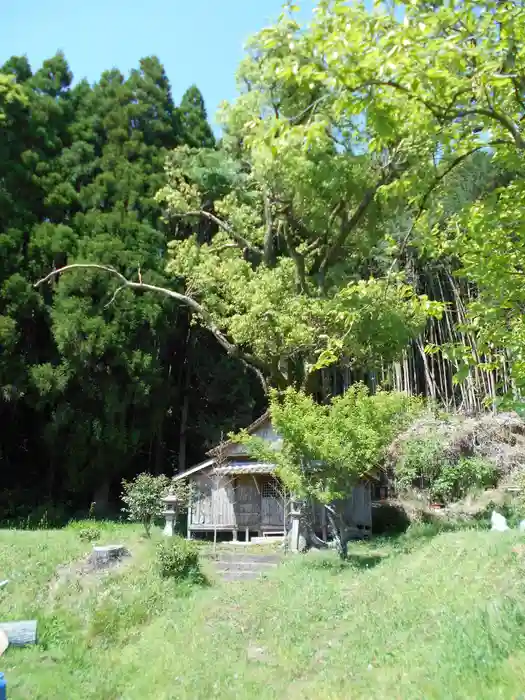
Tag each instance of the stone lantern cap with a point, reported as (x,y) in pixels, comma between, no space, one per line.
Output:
(171,499)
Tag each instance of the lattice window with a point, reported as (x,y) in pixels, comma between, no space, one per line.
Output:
(270,489)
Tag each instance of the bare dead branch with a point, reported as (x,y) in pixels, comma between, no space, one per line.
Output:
(233,350)
(240,240)
(115,294)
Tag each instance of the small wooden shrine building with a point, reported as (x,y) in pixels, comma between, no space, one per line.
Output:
(231,492)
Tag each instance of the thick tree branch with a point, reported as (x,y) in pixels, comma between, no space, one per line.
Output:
(240,240)
(233,350)
(448,114)
(347,226)
(457,161)
(503,119)
(310,108)
(517,94)
(401,88)
(298,261)
(269,246)
(312,246)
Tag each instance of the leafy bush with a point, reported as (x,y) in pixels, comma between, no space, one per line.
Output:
(179,559)
(468,474)
(89,534)
(425,465)
(420,464)
(142,497)
(327,448)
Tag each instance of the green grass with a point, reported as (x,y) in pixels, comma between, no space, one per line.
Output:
(420,617)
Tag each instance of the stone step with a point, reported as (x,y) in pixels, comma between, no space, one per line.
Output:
(236,566)
(238,575)
(246,558)
(270,539)
(231,565)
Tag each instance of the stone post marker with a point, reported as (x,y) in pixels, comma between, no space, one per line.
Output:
(297,540)
(170,514)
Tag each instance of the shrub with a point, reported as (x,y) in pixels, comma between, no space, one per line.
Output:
(425,465)
(455,481)
(89,534)
(179,559)
(142,497)
(419,464)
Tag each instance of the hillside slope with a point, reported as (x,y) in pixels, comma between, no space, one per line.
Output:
(443,620)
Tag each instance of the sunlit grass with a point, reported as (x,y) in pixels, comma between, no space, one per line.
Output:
(444,618)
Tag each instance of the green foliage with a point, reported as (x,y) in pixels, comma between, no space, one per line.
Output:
(430,606)
(367,142)
(358,148)
(11,97)
(79,168)
(89,534)
(178,558)
(420,463)
(196,131)
(327,448)
(181,489)
(299,273)
(468,474)
(442,92)
(142,498)
(425,465)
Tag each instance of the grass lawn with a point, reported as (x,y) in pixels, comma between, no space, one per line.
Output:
(436,618)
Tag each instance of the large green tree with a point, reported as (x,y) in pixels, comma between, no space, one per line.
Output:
(292,277)
(92,394)
(326,449)
(441,82)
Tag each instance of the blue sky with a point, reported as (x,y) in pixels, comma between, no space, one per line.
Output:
(198,41)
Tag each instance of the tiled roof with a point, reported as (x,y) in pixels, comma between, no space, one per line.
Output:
(196,468)
(245,468)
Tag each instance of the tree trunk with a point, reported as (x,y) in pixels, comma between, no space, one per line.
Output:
(302,537)
(186,384)
(101,499)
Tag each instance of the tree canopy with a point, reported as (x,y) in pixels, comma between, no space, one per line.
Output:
(93,392)
(360,219)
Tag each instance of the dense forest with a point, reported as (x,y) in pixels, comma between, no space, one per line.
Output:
(92,393)
(359,220)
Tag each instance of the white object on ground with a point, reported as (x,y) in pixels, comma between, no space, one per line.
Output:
(499,522)
(20,633)
(522,526)
(4,583)
(4,642)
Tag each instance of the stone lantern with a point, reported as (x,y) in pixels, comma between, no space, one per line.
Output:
(297,539)
(170,513)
